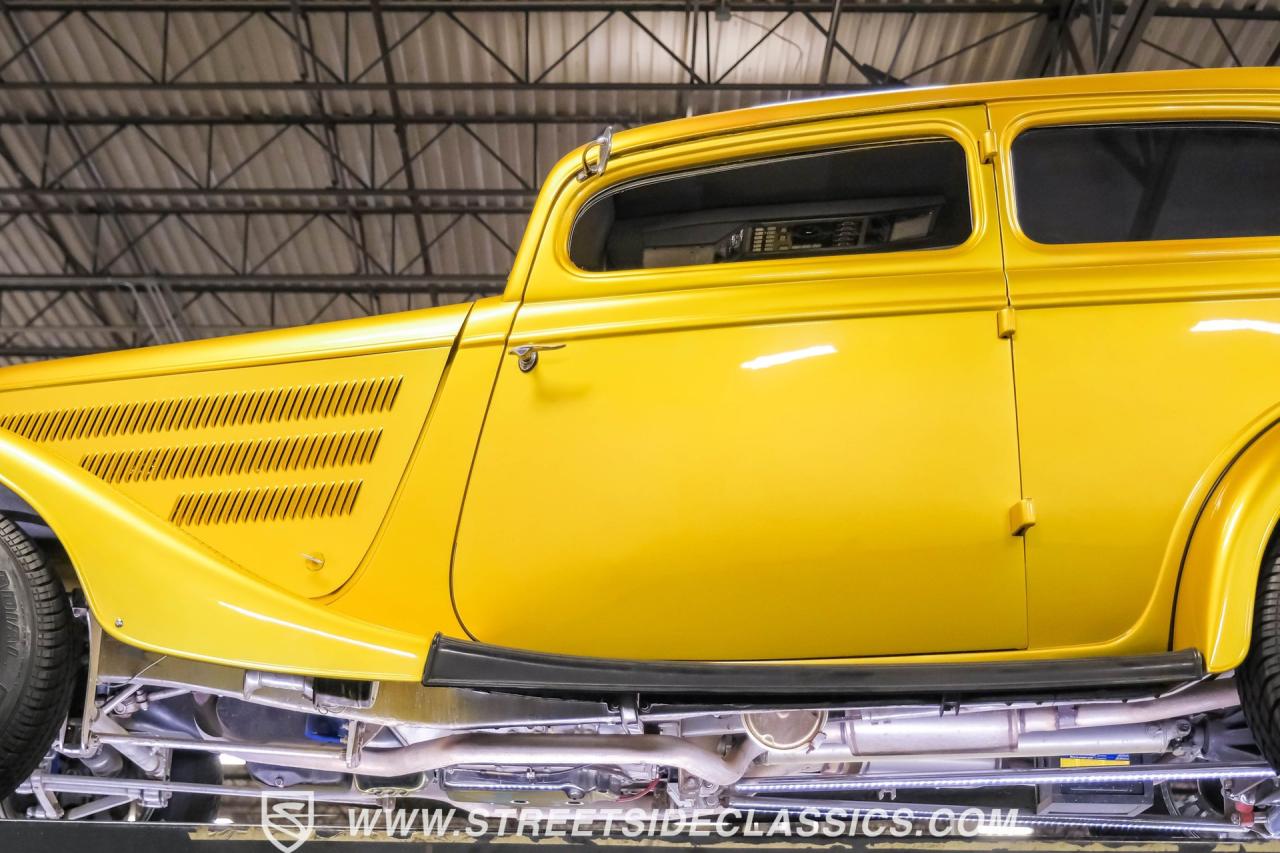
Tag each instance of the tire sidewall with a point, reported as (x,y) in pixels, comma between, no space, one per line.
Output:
(18,621)
(37,649)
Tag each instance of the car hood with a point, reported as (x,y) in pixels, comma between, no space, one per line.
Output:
(431,327)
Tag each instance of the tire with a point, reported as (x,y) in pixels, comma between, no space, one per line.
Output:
(36,643)
(203,768)
(1259,675)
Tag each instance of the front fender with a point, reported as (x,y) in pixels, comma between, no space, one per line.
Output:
(1219,576)
(181,594)
(211,493)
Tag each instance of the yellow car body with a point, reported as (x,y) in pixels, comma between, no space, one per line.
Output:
(1005,451)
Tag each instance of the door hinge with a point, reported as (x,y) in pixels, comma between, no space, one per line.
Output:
(987,146)
(1006,322)
(1022,517)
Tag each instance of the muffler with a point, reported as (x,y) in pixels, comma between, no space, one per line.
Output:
(1146,726)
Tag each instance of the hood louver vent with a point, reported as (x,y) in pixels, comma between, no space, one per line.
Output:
(225,458)
(301,402)
(234,506)
(283,455)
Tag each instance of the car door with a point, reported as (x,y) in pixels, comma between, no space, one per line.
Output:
(1142,240)
(757,436)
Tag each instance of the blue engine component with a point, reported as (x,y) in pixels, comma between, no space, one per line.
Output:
(325,729)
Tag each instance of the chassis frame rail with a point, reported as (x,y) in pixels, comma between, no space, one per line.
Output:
(1006,778)
(921,811)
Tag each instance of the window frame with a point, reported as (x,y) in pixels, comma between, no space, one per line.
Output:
(1012,119)
(1274,126)
(663,177)
(554,276)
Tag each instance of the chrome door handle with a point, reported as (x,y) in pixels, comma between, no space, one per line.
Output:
(527,355)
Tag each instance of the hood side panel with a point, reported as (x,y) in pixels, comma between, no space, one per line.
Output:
(287,469)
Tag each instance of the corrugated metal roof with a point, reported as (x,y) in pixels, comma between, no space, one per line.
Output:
(158,54)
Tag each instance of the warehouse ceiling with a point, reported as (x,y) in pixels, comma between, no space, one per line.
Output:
(177,169)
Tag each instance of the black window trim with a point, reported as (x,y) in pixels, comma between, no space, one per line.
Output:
(971,159)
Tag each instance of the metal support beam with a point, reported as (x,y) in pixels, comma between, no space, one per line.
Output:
(37,70)
(1045,45)
(259,283)
(1128,36)
(284,7)
(102,235)
(340,172)
(150,119)
(116,209)
(1168,8)
(875,77)
(829,49)
(402,136)
(110,194)
(414,86)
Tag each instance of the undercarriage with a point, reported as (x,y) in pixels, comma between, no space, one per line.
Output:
(1179,760)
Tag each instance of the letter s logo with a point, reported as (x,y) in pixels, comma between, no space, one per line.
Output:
(288,821)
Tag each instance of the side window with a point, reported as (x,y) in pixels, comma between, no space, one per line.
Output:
(1153,181)
(870,198)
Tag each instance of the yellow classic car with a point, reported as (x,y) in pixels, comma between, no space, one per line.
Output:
(916,439)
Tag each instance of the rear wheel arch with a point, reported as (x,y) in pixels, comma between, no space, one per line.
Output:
(1231,535)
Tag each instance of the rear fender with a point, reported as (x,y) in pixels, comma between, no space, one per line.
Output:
(1219,575)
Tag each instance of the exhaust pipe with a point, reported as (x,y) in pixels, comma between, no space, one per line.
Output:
(875,733)
(1140,726)
(522,750)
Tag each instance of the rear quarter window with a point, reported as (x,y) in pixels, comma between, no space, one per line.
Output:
(1150,181)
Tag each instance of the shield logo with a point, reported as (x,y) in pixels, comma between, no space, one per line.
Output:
(288,820)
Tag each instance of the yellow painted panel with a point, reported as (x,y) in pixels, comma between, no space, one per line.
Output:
(1162,270)
(1094,761)
(823,448)
(187,481)
(1140,366)
(1219,578)
(153,585)
(1123,409)
(832,488)
(868,535)
(287,469)
(782,119)
(556,278)
(404,583)
(429,327)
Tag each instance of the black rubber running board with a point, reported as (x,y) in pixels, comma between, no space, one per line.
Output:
(459,663)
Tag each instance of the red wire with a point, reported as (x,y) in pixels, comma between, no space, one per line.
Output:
(644,792)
